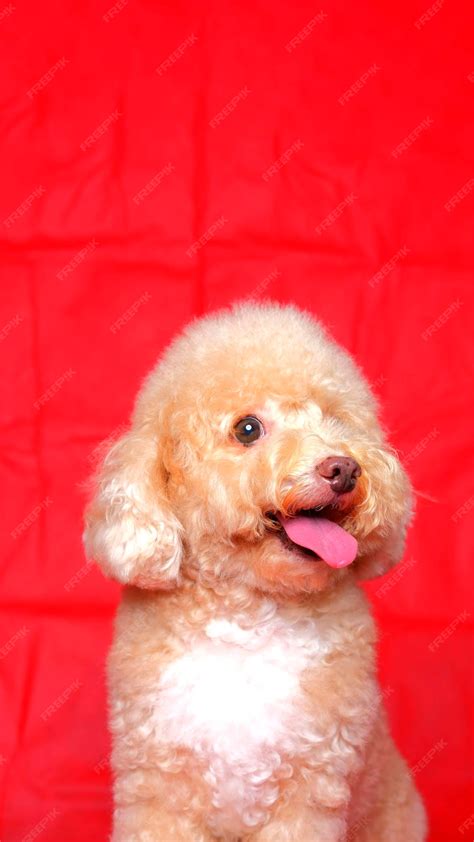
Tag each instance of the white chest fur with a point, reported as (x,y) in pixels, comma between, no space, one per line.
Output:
(235,699)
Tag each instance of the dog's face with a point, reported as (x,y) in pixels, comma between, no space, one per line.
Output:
(255,457)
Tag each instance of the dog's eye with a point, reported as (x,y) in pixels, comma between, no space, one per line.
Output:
(248,430)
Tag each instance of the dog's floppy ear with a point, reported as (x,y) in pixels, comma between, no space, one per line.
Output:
(395,503)
(130,528)
(386,556)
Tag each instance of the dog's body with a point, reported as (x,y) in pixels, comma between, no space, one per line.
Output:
(244,702)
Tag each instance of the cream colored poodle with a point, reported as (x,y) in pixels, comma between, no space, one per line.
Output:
(253,491)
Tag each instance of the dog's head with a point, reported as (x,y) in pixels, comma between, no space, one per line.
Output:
(255,456)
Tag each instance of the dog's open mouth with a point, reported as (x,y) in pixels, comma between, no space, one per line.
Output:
(318,535)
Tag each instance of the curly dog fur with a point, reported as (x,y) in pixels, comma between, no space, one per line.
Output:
(244,703)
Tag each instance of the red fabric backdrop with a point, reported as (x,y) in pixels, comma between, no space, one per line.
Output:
(162,160)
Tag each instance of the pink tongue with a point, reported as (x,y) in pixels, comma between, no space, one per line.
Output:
(336,547)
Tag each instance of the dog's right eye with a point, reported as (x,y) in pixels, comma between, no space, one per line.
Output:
(248,430)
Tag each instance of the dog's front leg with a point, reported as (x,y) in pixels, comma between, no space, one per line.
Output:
(296,822)
(150,821)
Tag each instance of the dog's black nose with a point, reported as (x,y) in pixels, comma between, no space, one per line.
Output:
(340,471)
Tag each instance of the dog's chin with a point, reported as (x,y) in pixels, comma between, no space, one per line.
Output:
(266,558)
(286,565)
(289,570)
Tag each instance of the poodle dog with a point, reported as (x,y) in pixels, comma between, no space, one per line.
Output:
(252,492)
